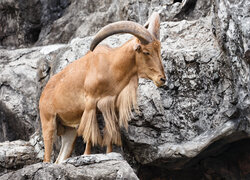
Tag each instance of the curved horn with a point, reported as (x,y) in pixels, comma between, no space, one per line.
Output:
(122,27)
(153,25)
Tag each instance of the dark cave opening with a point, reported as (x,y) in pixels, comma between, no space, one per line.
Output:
(12,127)
(33,34)
(175,1)
(232,161)
(187,9)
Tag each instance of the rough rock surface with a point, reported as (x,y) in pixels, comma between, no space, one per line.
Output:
(228,162)
(22,22)
(15,155)
(198,105)
(18,88)
(231,21)
(110,166)
(86,17)
(39,21)
(19,91)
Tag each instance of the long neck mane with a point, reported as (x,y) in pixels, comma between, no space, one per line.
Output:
(125,99)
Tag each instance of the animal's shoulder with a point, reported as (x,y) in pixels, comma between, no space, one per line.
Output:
(103,48)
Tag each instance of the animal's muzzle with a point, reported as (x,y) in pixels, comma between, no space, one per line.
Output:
(163,80)
(160,81)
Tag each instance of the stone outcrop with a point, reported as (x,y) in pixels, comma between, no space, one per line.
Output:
(22,22)
(15,155)
(110,166)
(198,105)
(20,90)
(44,22)
(18,94)
(227,162)
(86,17)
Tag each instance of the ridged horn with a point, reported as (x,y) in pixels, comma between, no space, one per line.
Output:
(122,27)
(153,25)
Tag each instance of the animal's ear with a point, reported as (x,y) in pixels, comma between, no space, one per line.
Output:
(137,47)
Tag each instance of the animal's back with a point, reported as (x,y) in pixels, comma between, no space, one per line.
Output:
(63,94)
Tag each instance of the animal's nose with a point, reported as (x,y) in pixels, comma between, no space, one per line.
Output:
(163,80)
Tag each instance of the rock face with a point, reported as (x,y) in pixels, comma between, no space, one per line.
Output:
(231,23)
(230,162)
(206,99)
(23,21)
(15,155)
(197,106)
(38,22)
(195,124)
(20,90)
(86,17)
(231,27)
(18,87)
(111,166)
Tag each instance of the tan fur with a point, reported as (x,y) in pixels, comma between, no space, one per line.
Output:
(89,128)
(127,100)
(111,130)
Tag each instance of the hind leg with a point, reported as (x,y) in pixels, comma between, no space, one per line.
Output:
(48,129)
(88,148)
(68,142)
(109,148)
(110,139)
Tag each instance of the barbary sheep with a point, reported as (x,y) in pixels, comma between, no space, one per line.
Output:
(105,79)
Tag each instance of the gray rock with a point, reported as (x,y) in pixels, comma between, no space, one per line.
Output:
(99,166)
(22,21)
(39,21)
(85,18)
(198,91)
(232,30)
(15,155)
(20,87)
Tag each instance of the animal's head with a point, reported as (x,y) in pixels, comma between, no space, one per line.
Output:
(148,54)
(147,46)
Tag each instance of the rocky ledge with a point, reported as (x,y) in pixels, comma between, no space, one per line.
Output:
(98,166)
(15,155)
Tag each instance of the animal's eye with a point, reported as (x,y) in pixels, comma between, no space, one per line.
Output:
(146,53)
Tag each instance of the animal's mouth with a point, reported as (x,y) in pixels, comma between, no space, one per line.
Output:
(158,84)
